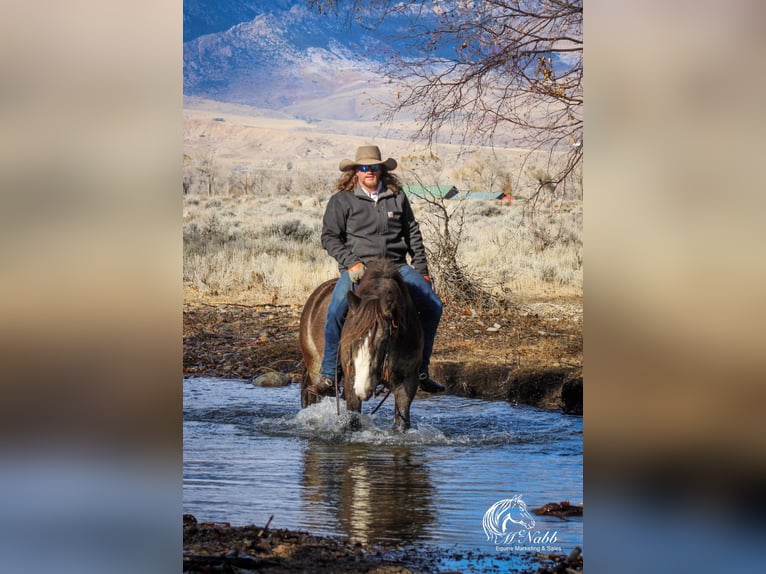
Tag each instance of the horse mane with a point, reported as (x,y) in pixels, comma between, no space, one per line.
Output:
(381,287)
(378,271)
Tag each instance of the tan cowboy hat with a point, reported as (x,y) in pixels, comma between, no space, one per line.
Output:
(368,155)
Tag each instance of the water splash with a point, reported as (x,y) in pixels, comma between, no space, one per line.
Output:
(251,452)
(321,421)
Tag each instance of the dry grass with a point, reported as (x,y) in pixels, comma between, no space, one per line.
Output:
(263,246)
(267,248)
(246,248)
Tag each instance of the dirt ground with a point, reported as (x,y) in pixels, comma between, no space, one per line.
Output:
(220,547)
(526,353)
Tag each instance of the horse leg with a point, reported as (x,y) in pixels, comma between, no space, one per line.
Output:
(403,395)
(307,397)
(354,407)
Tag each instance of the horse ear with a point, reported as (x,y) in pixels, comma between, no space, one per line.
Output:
(353,300)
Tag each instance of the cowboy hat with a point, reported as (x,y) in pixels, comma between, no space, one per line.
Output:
(368,155)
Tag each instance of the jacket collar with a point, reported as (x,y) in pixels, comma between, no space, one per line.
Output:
(359,192)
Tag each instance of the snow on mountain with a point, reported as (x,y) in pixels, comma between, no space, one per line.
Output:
(285,57)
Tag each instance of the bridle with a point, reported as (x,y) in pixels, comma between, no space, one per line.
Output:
(391,327)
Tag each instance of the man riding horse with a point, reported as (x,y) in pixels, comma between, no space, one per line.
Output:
(369,216)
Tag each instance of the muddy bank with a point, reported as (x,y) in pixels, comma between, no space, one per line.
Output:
(528,354)
(220,547)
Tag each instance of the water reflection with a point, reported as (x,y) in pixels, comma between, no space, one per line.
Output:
(251,452)
(371,493)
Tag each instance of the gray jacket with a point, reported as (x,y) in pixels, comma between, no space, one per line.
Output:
(355,228)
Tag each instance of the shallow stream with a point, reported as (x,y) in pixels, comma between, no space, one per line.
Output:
(251,452)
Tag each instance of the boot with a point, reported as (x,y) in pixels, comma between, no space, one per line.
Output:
(428,385)
(323,385)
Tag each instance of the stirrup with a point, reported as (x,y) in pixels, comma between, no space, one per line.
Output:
(428,385)
(323,385)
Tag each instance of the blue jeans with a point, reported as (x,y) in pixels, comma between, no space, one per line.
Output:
(426,301)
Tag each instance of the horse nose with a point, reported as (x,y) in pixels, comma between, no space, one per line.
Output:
(365,395)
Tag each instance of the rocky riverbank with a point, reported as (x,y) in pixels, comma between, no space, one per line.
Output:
(529,354)
(220,547)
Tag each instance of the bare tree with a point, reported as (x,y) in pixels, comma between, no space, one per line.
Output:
(207,170)
(474,68)
(454,281)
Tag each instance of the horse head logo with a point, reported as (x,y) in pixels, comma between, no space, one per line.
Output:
(499,515)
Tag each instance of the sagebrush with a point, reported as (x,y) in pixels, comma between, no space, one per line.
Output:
(267,249)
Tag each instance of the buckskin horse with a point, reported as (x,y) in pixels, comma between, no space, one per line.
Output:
(381,341)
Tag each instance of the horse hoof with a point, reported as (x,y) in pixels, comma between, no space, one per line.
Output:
(355,424)
(401,428)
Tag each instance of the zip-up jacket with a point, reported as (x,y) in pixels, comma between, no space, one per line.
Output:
(355,228)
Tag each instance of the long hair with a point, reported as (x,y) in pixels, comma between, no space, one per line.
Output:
(347,181)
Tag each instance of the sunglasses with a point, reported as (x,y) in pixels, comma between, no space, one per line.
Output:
(367,168)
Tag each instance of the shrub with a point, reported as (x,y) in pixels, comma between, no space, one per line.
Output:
(292,230)
(252,247)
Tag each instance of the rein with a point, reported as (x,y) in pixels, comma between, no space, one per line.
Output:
(381,403)
(392,326)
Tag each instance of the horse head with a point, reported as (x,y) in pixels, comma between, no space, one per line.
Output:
(368,334)
(370,328)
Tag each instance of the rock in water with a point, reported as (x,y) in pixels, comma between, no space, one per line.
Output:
(272,379)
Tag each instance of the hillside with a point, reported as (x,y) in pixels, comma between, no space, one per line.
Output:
(237,136)
(281,56)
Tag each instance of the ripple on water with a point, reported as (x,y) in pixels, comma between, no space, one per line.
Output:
(250,452)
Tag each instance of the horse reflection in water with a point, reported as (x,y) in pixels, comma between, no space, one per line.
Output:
(381,341)
(372,495)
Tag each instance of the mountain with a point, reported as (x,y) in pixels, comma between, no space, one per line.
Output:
(212,16)
(280,56)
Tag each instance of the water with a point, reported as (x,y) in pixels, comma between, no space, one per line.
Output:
(251,452)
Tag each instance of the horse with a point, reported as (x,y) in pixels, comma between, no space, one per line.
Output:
(381,341)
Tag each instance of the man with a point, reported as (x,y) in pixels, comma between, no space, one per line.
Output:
(369,216)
